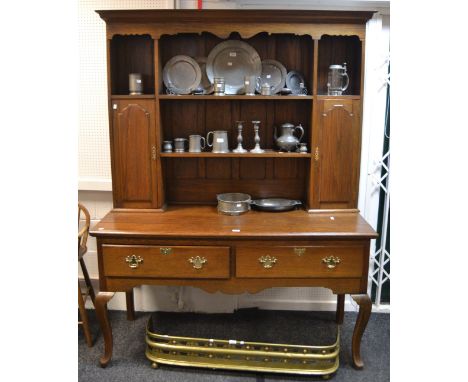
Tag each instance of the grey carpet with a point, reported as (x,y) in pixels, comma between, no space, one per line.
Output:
(130,364)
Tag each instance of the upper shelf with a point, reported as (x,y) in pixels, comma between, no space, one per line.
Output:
(235,97)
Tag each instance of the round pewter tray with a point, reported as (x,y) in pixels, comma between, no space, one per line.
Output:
(233,60)
(181,74)
(275,204)
(274,73)
(293,79)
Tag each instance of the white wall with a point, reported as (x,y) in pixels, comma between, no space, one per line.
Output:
(94,169)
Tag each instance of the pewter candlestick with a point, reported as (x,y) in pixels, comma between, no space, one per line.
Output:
(239,148)
(257,148)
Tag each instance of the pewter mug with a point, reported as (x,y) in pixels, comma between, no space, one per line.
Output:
(336,76)
(135,83)
(220,141)
(179,145)
(287,141)
(266,89)
(195,143)
(167,147)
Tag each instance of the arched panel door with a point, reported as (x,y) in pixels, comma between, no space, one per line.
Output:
(337,154)
(134,154)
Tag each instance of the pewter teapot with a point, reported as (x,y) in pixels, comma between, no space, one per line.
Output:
(287,141)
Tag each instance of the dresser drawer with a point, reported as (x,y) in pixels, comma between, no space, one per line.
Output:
(166,262)
(299,262)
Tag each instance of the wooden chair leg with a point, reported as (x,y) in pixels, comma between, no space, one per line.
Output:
(101,311)
(340,300)
(365,309)
(84,318)
(88,283)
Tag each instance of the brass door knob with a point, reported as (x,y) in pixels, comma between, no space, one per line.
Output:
(331,261)
(134,261)
(197,262)
(267,261)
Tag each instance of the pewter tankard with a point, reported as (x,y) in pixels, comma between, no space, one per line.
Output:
(220,141)
(195,143)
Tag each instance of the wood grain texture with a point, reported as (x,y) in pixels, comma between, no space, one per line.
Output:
(174,265)
(338,142)
(290,265)
(204,221)
(102,299)
(365,309)
(208,16)
(133,167)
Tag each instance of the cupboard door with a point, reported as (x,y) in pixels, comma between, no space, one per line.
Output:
(337,153)
(134,154)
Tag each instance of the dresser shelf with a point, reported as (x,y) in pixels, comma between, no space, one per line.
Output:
(266,154)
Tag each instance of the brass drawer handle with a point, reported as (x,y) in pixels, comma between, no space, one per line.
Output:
(299,251)
(267,261)
(197,262)
(331,261)
(134,261)
(165,251)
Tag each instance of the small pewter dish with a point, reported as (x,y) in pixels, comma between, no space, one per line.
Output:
(233,203)
(285,91)
(275,204)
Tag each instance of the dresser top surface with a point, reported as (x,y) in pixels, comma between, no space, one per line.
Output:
(205,222)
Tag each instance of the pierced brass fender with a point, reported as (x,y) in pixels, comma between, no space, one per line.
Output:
(331,261)
(197,262)
(134,261)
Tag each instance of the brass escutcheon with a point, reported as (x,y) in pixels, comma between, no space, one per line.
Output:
(197,262)
(299,251)
(267,261)
(134,261)
(165,251)
(331,261)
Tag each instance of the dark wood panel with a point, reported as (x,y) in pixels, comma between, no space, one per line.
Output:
(219,16)
(339,145)
(185,117)
(337,50)
(294,52)
(133,138)
(131,54)
(204,191)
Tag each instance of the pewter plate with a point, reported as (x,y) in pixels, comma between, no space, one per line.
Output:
(205,83)
(293,80)
(181,75)
(275,204)
(274,73)
(233,60)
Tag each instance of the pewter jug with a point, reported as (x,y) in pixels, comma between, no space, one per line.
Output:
(287,141)
(220,141)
